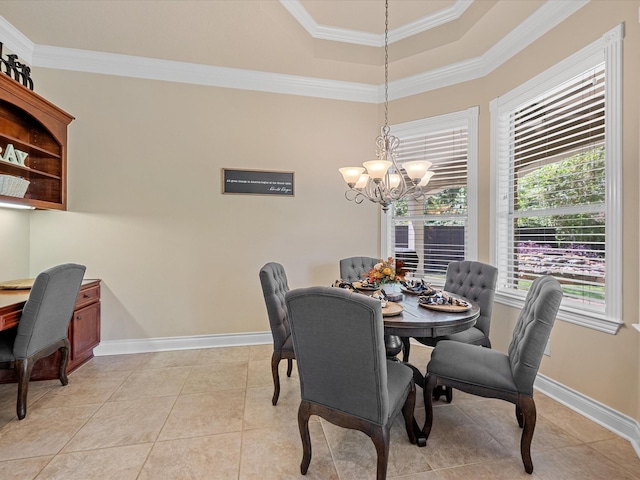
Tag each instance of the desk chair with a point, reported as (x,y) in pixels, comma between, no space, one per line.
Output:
(351,270)
(488,373)
(274,286)
(345,377)
(43,327)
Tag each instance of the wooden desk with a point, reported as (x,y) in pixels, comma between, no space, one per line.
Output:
(84,329)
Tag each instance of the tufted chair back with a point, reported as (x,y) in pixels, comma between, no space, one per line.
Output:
(475,281)
(345,377)
(532,331)
(274,286)
(338,340)
(352,268)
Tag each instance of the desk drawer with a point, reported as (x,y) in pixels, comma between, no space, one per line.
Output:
(10,319)
(87,296)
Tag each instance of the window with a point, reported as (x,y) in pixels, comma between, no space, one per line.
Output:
(427,236)
(556,163)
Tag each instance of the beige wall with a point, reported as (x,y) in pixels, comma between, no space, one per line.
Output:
(178,258)
(146,213)
(14,244)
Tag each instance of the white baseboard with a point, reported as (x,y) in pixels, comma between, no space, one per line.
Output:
(143,345)
(620,424)
(612,420)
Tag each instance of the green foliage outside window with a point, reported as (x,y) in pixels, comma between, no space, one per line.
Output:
(577,180)
(449,202)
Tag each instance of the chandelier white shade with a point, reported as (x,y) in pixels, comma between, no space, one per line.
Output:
(351,175)
(385,182)
(377,169)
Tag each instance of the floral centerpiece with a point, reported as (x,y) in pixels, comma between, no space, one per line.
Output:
(386,271)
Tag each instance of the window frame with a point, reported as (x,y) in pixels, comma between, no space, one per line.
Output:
(467,119)
(607,49)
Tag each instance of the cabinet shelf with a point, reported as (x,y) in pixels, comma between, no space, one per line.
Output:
(25,171)
(37,127)
(32,150)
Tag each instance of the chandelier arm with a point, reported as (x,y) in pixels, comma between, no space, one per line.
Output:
(354,195)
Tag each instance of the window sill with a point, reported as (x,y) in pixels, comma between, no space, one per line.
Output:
(567,314)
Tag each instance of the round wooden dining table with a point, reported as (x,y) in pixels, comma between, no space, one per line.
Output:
(420,321)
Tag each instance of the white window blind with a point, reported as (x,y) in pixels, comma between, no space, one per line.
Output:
(557,189)
(427,236)
(556,165)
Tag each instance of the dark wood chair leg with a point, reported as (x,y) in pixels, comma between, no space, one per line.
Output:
(23,369)
(439,391)
(408,410)
(64,361)
(275,361)
(303,424)
(448,394)
(289,366)
(380,437)
(429,384)
(528,409)
(519,417)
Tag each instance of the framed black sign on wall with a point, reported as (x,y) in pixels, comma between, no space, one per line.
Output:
(257,182)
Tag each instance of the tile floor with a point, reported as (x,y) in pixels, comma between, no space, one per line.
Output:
(207,414)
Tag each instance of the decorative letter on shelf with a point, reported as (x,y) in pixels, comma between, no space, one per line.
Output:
(13,155)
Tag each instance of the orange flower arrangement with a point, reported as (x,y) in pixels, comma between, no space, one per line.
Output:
(386,271)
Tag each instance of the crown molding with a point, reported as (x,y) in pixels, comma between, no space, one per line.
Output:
(198,74)
(540,22)
(355,37)
(16,41)
(548,16)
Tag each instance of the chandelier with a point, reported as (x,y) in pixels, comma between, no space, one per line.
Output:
(385,182)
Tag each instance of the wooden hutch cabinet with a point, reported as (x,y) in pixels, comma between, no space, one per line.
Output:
(33,143)
(33,138)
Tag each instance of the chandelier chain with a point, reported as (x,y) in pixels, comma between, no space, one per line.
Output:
(386,63)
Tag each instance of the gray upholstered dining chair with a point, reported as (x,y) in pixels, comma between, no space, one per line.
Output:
(43,327)
(351,270)
(345,376)
(489,373)
(475,281)
(274,286)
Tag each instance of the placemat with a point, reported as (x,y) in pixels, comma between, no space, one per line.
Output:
(392,309)
(359,286)
(445,308)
